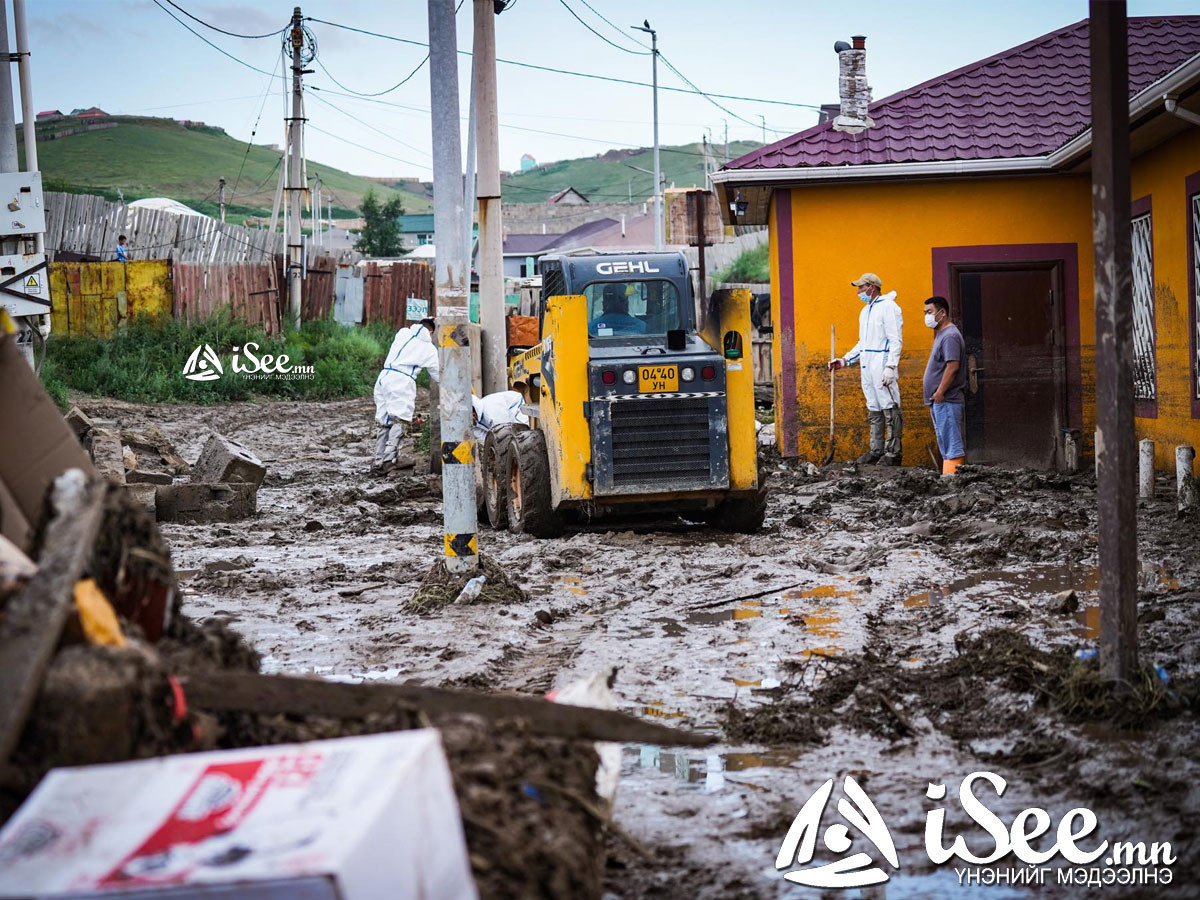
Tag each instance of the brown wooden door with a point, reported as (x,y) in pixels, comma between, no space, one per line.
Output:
(1011,328)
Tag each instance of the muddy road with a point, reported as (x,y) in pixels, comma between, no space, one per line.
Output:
(886,624)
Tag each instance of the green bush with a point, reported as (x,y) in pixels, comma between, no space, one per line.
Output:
(751,267)
(144,362)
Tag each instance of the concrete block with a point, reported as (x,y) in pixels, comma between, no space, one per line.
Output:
(226,461)
(143,476)
(107,454)
(143,495)
(79,422)
(194,503)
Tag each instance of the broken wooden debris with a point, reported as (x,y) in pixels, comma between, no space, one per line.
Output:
(154,441)
(287,695)
(226,461)
(34,617)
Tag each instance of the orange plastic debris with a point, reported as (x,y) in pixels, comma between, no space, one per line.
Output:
(96,615)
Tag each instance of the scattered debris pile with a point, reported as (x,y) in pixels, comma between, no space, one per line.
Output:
(982,697)
(440,587)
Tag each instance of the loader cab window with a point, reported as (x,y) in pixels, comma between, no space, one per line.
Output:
(623,309)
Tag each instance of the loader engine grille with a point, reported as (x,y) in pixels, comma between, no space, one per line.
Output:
(661,443)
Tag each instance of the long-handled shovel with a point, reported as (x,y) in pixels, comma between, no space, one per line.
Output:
(832,381)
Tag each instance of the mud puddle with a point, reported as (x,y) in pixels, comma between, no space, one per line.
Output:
(826,581)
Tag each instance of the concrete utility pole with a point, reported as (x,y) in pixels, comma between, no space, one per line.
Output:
(8,123)
(296,186)
(315,207)
(469,184)
(726,121)
(491,240)
(452,301)
(764,128)
(28,115)
(1116,451)
(450,286)
(221,197)
(658,200)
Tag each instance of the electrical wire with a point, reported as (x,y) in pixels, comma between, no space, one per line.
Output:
(615,28)
(599,35)
(222,30)
(592,75)
(254,131)
(723,109)
(398,84)
(391,137)
(338,137)
(220,50)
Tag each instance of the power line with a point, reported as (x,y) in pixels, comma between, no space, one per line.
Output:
(391,137)
(598,34)
(592,75)
(222,30)
(220,50)
(399,83)
(615,28)
(254,130)
(707,97)
(338,137)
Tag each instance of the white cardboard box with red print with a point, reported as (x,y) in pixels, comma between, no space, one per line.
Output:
(355,818)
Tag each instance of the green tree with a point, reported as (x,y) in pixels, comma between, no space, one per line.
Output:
(380,235)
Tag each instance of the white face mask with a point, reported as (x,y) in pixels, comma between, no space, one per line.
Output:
(930,320)
(864,296)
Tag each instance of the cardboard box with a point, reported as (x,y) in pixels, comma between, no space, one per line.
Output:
(358,818)
(36,446)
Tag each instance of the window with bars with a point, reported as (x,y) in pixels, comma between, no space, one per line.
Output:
(1143,309)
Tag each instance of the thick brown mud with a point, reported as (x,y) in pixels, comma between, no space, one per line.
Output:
(886,624)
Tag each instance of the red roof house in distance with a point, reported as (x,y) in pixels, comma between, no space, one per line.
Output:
(976,186)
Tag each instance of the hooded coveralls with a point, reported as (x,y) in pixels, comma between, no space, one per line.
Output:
(499,408)
(879,341)
(396,387)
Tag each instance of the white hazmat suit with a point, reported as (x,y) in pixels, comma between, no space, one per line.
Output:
(500,408)
(880,328)
(396,387)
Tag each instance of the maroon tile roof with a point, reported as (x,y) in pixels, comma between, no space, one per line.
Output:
(1027,101)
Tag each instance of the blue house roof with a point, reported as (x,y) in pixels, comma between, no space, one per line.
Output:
(416,223)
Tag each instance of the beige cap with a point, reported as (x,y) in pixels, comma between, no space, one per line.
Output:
(868,278)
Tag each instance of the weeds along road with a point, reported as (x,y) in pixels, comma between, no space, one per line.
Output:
(885,624)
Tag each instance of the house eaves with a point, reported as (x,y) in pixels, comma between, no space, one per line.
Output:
(1147,103)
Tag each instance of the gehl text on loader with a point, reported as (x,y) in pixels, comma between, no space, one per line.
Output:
(640,402)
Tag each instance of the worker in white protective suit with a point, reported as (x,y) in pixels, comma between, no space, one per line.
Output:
(499,408)
(396,389)
(880,328)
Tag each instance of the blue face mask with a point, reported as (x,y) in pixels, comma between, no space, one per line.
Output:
(864,296)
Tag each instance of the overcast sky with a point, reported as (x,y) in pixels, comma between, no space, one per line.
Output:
(130,57)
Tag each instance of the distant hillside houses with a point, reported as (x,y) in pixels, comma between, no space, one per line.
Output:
(92,112)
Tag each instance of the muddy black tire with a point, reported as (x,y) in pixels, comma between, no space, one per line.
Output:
(493,462)
(741,515)
(530,509)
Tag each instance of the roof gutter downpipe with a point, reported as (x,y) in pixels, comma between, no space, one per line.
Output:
(1172,106)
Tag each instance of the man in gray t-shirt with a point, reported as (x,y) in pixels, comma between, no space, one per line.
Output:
(944,384)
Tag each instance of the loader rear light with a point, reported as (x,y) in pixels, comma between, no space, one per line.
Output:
(708,373)
(608,376)
(629,376)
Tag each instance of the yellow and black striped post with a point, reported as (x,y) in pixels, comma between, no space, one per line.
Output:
(458,448)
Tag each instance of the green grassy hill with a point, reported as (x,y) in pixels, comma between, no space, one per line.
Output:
(605,178)
(147,157)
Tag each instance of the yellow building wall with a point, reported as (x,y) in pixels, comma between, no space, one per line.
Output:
(842,231)
(1161,174)
(91,299)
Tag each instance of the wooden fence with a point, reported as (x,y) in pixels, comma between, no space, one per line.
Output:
(91,300)
(86,227)
(386,290)
(249,290)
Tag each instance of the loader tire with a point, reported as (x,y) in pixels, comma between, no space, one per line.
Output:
(741,515)
(530,506)
(495,475)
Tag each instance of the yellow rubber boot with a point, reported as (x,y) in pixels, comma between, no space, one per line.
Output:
(950,466)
